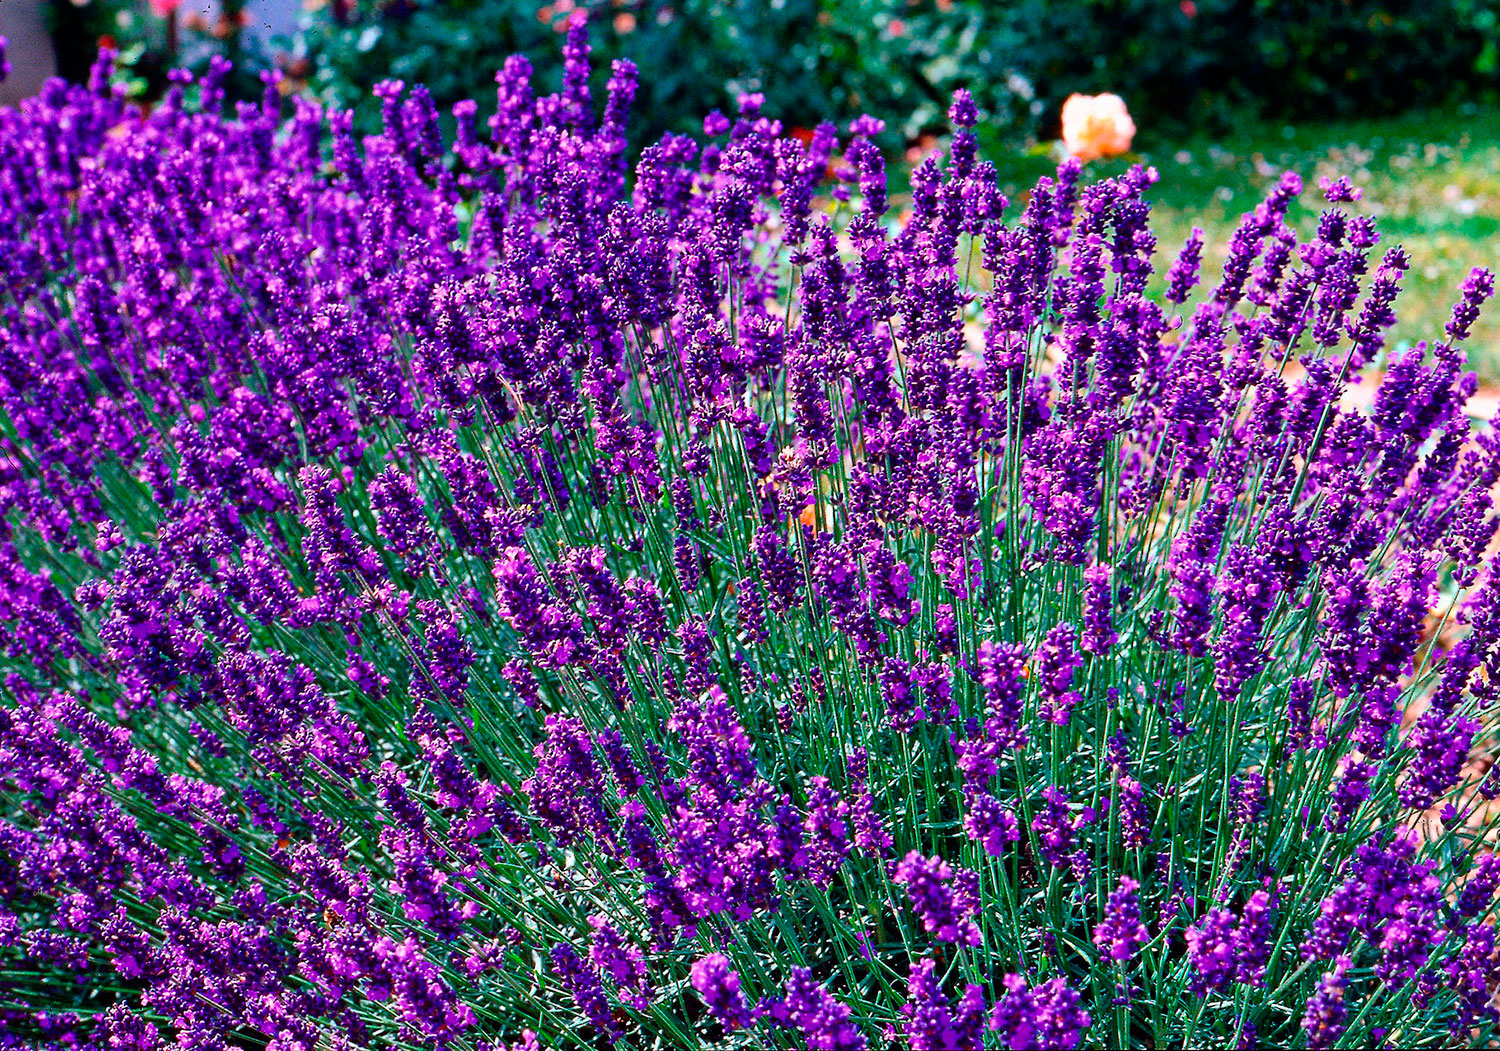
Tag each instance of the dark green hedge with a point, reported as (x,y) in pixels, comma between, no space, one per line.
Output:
(1178,63)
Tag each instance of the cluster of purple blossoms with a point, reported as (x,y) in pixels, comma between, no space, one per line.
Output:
(1121,932)
(536,589)
(932,1023)
(719,986)
(943,899)
(822,1020)
(1224,948)
(1326,1011)
(1047,1015)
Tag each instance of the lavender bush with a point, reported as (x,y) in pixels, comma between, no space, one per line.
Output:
(472,596)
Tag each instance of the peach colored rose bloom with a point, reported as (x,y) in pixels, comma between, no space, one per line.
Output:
(1096,126)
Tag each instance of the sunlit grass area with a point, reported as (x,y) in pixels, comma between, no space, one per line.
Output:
(1432,180)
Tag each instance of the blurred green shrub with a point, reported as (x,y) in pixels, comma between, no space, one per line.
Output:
(151,37)
(1178,63)
(811,58)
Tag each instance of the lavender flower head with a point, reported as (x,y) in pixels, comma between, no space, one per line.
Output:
(719,986)
(943,898)
(1121,931)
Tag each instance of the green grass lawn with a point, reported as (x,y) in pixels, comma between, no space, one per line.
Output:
(1432,180)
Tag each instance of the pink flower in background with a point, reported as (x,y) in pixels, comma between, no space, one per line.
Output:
(164,8)
(1095,126)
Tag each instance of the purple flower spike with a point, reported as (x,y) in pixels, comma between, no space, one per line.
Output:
(1045,1016)
(932,1024)
(1476,288)
(1121,932)
(719,986)
(945,900)
(1323,1021)
(823,1021)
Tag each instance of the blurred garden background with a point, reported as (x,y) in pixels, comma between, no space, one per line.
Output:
(1224,94)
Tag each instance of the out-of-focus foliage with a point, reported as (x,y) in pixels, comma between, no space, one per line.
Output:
(1198,64)
(153,37)
(811,59)
(1191,64)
